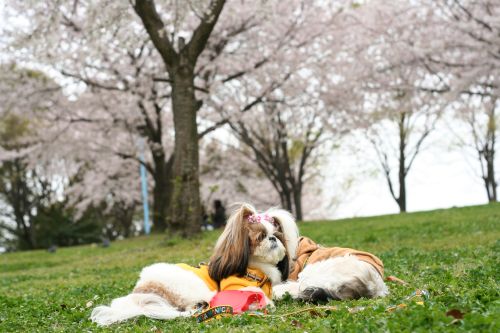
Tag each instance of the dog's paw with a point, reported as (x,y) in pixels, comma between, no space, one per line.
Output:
(281,291)
(102,315)
(270,305)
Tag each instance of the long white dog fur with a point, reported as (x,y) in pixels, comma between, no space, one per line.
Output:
(336,278)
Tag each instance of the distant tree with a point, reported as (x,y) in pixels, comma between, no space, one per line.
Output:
(229,175)
(480,114)
(282,141)
(410,128)
(402,117)
(122,127)
(56,225)
(24,188)
(397,94)
(465,55)
(32,212)
(109,191)
(461,45)
(450,50)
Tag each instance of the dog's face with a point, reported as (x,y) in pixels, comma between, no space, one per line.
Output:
(266,243)
(249,237)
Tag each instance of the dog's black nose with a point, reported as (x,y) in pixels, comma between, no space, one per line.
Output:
(272,239)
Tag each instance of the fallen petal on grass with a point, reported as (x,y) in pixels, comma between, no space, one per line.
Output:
(392,278)
(455,313)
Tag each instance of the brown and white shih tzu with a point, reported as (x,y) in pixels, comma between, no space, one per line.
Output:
(332,273)
(252,253)
(263,241)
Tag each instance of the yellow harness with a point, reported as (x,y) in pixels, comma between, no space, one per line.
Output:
(253,278)
(202,271)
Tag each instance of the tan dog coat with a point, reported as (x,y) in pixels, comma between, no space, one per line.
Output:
(308,252)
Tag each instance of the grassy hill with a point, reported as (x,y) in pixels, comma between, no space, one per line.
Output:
(454,254)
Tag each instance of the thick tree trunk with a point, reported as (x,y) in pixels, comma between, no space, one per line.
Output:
(160,203)
(162,191)
(297,199)
(185,210)
(287,200)
(285,194)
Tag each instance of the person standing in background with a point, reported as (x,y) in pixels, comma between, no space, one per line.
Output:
(219,214)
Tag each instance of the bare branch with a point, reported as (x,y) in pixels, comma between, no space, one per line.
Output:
(201,34)
(161,79)
(213,128)
(90,82)
(146,10)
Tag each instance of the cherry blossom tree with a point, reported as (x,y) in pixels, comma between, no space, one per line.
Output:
(227,173)
(410,123)
(26,185)
(396,98)
(463,52)
(282,140)
(455,42)
(64,146)
(180,64)
(452,46)
(228,75)
(467,59)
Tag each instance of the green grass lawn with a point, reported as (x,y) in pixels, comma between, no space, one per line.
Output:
(451,253)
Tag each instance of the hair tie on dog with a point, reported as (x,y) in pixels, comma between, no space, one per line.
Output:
(258,218)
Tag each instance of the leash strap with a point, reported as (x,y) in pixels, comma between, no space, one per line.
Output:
(213,313)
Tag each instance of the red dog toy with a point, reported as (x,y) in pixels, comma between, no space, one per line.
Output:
(240,300)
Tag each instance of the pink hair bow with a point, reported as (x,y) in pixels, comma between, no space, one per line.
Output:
(258,218)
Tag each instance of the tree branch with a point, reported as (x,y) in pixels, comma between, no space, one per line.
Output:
(384,162)
(135,158)
(90,82)
(146,10)
(474,18)
(243,72)
(200,36)
(10,229)
(212,128)
(161,79)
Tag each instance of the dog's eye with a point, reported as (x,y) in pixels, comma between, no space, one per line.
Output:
(261,237)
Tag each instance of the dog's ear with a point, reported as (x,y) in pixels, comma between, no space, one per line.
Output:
(232,250)
(287,226)
(284,264)
(284,268)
